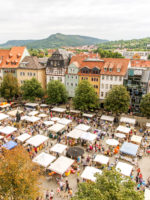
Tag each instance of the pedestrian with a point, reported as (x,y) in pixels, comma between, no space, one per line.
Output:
(51,195)
(67,185)
(47,194)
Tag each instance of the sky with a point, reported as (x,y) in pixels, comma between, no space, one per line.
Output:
(104,19)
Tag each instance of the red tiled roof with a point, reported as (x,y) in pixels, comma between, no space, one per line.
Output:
(140,63)
(12,57)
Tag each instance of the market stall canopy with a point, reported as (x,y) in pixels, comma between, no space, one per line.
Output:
(136,139)
(75,111)
(64,121)
(124,168)
(37,140)
(43,105)
(5,105)
(44,159)
(42,115)
(128,120)
(148,125)
(147,194)
(33,113)
(3,116)
(61,165)
(83,127)
(123,129)
(74,152)
(112,142)
(10,145)
(88,136)
(88,115)
(14,112)
(101,159)
(31,104)
(75,133)
(129,148)
(8,130)
(55,119)
(32,119)
(107,118)
(58,148)
(23,137)
(120,135)
(56,128)
(89,173)
(24,117)
(48,123)
(1,137)
(57,109)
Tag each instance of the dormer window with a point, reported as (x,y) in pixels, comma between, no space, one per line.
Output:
(110,69)
(118,69)
(105,69)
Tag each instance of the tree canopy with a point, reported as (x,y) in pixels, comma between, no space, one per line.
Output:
(117,100)
(85,97)
(9,87)
(109,54)
(110,185)
(56,92)
(32,89)
(145,105)
(19,176)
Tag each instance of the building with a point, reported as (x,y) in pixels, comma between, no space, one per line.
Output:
(57,65)
(30,67)
(10,60)
(113,72)
(138,82)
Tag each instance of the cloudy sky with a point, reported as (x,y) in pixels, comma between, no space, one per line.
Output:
(106,19)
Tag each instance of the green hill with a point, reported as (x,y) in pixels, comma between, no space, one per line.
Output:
(135,44)
(55,41)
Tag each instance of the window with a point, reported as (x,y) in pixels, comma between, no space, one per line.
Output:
(30,73)
(20,73)
(105,69)
(23,73)
(76,84)
(33,74)
(103,77)
(111,78)
(68,76)
(110,86)
(107,77)
(102,86)
(76,77)
(72,77)
(106,86)
(102,94)
(91,79)
(120,78)
(67,83)
(118,69)
(115,78)
(110,69)
(71,84)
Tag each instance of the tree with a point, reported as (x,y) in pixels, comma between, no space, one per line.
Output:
(85,97)
(56,92)
(145,105)
(32,89)
(19,176)
(110,185)
(117,100)
(109,54)
(9,87)
(148,57)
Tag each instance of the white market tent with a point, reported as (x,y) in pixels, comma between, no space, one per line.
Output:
(124,168)
(107,118)
(147,194)
(88,115)
(42,115)
(64,121)
(5,106)
(14,112)
(55,119)
(44,159)
(120,135)
(88,136)
(8,130)
(33,113)
(58,148)
(24,117)
(32,119)
(123,129)
(75,133)
(1,137)
(89,173)
(32,104)
(37,140)
(128,120)
(83,127)
(148,125)
(23,137)
(48,123)
(101,159)
(3,116)
(112,142)
(61,165)
(56,128)
(57,109)
(136,139)
(75,111)
(43,105)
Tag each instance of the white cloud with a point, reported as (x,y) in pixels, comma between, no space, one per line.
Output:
(109,19)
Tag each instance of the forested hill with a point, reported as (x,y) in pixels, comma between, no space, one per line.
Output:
(55,41)
(140,44)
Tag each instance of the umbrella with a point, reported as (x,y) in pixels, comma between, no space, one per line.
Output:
(112,142)
(74,152)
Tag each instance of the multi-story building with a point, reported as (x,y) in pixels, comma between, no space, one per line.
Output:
(138,82)
(113,72)
(10,59)
(57,65)
(31,67)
